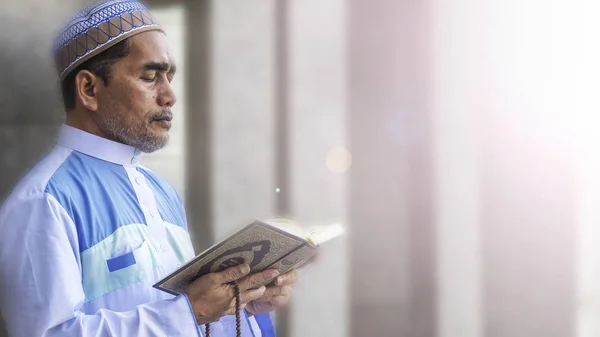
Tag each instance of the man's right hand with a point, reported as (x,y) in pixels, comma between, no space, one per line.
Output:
(213,296)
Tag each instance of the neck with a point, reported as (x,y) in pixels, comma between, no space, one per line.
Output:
(82,121)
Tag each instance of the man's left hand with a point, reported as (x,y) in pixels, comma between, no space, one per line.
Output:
(276,296)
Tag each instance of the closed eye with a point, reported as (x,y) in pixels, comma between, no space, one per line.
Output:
(160,67)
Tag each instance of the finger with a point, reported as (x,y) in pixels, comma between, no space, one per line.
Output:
(277,302)
(232,274)
(251,295)
(285,279)
(260,307)
(280,301)
(251,281)
(231,310)
(275,291)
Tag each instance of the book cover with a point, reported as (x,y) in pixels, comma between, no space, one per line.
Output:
(259,245)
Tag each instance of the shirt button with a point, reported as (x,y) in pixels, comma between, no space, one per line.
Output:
(138,180)
(152,213)
(163,247)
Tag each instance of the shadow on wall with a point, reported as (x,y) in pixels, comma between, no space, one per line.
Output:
(30,104)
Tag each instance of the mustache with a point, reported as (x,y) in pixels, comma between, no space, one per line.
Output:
(165,114)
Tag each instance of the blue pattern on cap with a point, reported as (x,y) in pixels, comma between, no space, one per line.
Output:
(95,16)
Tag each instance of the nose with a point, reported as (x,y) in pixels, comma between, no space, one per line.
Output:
(167,96)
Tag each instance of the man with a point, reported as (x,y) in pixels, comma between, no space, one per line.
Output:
(88,231)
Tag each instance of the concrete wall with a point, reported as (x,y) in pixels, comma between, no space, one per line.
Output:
(29,101)
(318,184)
(30,105)
(505,169)
(391,203)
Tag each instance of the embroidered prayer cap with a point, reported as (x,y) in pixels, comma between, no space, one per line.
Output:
(97,28)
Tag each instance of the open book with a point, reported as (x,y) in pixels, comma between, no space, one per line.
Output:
(272,244)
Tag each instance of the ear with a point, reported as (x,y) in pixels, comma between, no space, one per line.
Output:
(86,89)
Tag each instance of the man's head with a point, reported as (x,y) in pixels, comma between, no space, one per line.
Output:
(121,91)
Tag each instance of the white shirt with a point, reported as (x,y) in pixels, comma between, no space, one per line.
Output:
(84,236)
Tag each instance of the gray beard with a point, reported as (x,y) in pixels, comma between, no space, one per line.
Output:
(121,133)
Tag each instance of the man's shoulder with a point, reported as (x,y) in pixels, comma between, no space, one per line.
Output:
(36,180)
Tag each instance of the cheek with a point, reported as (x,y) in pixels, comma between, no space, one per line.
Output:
(142,103)
(132,102)
(117,98)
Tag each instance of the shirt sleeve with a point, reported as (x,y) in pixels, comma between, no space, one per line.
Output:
(41,293)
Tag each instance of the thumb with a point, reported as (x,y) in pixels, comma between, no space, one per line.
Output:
(233,273)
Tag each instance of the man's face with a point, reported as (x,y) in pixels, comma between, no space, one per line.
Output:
(135,107)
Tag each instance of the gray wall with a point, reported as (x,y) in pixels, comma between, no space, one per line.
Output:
(392,280)
(29,101)
(30,106)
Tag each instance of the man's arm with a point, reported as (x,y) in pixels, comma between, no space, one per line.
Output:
(40,282)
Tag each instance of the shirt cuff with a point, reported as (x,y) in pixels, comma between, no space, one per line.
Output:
(179,318)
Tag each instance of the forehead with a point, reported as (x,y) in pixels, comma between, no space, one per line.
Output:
(150,46)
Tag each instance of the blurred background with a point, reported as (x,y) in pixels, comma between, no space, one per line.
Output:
(456,140)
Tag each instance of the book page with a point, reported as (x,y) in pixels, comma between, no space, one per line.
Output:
(289,227)
(321,234)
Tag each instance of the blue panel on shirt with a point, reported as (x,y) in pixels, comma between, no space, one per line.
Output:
(97,195)
(168,203)
(121,262)
(265,324)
